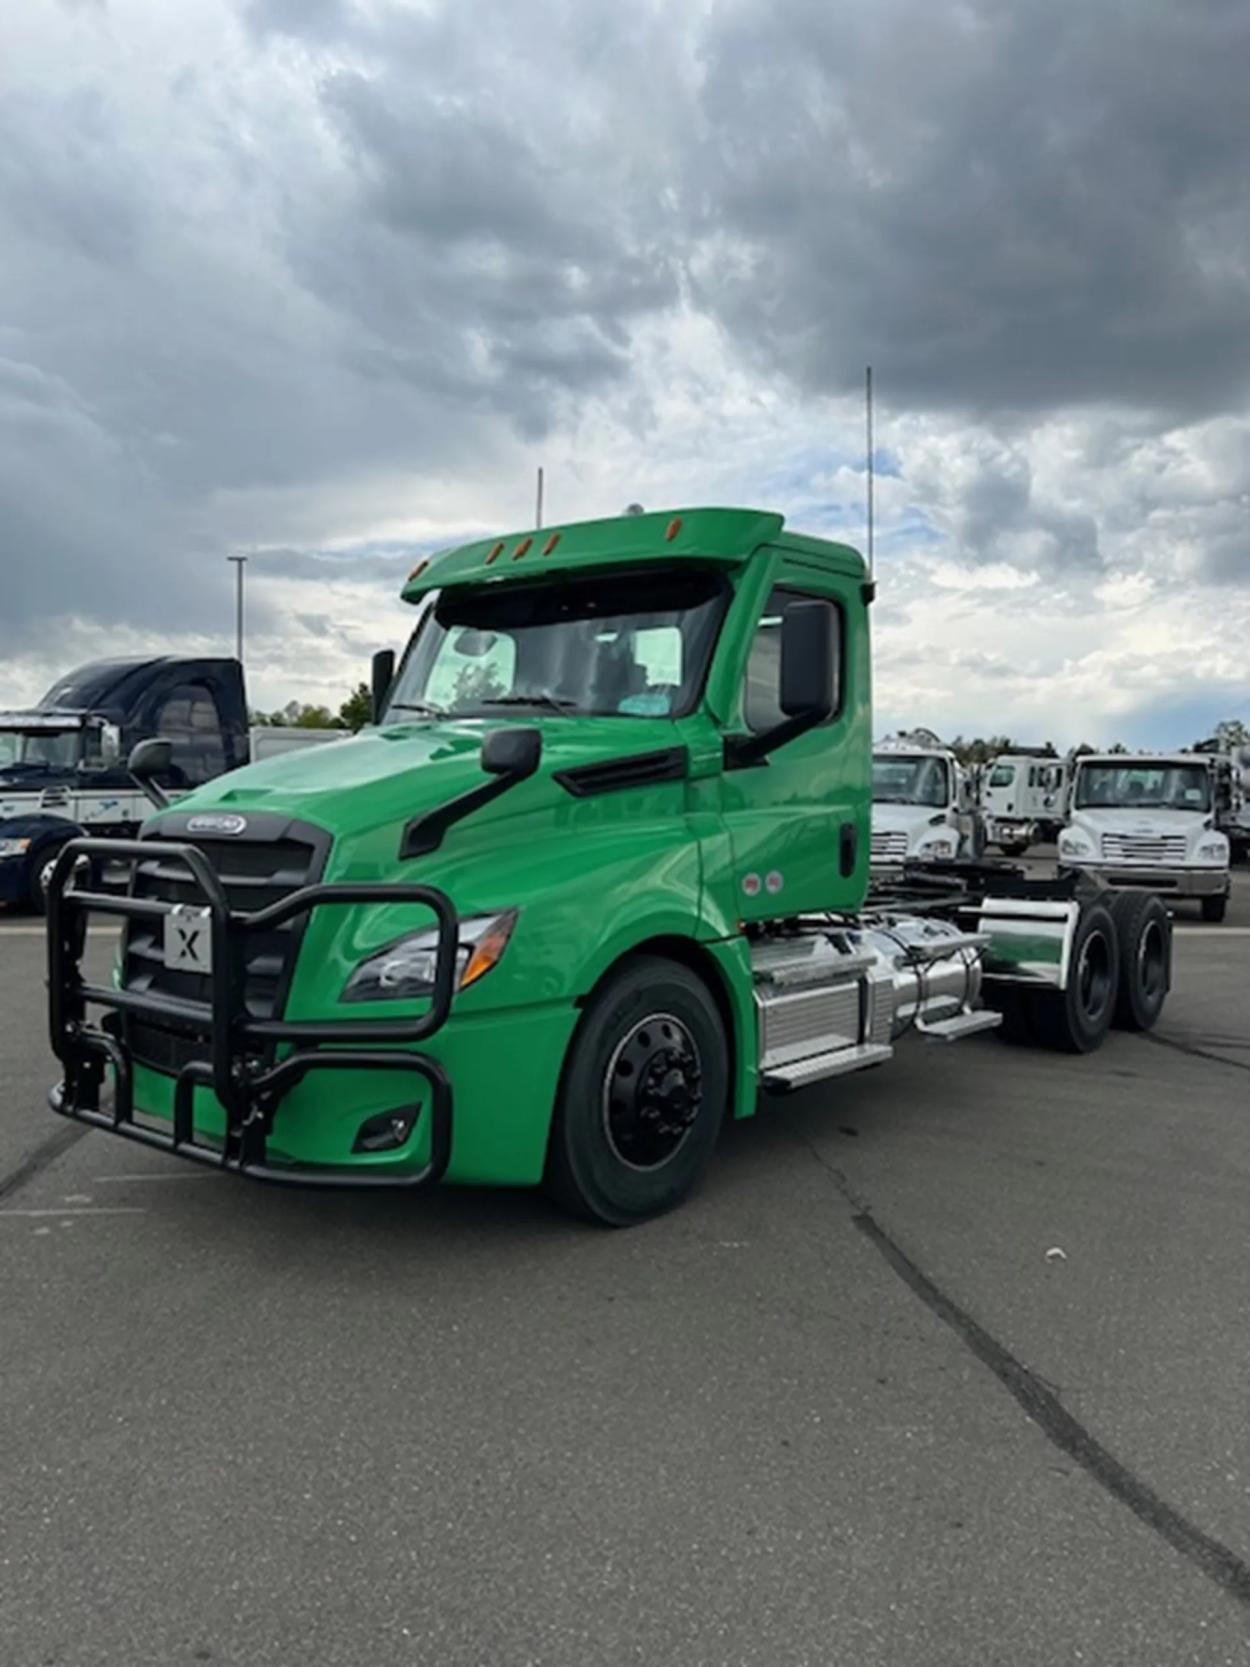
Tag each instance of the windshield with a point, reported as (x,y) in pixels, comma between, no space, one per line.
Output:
(52,750)
(1143,787)
(1002,775)
(903,780)
(608,646)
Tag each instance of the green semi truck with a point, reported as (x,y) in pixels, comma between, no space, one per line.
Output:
(594,880)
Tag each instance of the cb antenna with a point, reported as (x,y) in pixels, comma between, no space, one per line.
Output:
(872,563)
(538,505)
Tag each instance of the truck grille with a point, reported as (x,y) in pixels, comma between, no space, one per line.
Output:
(253,875)
(889,847)
(1160,850)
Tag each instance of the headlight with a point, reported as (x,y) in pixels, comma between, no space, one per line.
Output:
(1075,845)
(937,848)
(1213,850)
(405,968)
(13,847)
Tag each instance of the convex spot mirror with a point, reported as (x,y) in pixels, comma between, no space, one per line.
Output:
(150,759)
(512,752)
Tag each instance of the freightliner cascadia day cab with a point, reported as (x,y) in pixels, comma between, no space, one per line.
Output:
(1149,820)
(595,878)
(63,762)
(923,807)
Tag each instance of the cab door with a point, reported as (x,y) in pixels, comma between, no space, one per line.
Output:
(798,821)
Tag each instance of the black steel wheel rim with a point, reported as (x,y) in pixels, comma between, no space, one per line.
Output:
(1093,976)
(1151,960)
(652,1092)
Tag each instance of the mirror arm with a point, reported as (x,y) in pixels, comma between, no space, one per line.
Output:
(425,833)
(742,751)
(152,791)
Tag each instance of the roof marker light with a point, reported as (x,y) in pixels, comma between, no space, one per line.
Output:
(418,570)
(521,548)
(674,527)
(495,553)
(551,543)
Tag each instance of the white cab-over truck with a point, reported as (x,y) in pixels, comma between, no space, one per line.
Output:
(1148,821)
(1022,798)
(923,806)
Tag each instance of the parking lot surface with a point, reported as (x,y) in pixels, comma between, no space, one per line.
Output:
(945,1364)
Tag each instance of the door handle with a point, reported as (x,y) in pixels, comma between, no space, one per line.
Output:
(848,849)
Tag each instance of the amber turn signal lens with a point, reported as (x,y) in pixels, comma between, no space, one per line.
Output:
(488,949)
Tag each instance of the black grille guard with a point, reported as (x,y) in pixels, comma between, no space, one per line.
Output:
(238,1067)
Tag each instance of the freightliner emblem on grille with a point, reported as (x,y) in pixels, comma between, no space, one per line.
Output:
(217,824)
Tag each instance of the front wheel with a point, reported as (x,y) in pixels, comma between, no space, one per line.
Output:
(1214,909)
(643,1097)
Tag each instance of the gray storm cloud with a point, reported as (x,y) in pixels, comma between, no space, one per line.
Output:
(261,252)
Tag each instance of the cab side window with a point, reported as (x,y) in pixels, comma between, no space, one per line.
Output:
(761,703)
(189,718)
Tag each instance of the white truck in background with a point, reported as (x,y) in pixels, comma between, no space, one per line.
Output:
(1232,793)
(1022,798)
(923,805)
(1148,821)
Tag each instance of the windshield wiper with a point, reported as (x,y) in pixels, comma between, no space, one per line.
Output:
(541,698)
(422,706)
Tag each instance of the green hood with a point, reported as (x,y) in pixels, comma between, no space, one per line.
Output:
(384,777)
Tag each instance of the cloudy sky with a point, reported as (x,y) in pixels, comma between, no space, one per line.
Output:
(324,281)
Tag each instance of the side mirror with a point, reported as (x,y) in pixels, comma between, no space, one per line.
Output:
(807,668)
(512,752)
(148,760)
(382,676)
(809,678)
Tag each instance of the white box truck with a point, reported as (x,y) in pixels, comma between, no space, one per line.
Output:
(1148,820)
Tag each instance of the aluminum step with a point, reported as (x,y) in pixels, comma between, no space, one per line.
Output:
(817,1067)
(959,1025)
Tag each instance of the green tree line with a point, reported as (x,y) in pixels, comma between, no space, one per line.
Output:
(353,714)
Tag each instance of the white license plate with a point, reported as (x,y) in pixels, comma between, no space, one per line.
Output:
(189,939)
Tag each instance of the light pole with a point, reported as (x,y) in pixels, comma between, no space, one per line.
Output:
(239,563)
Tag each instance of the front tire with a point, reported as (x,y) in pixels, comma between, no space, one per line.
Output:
(643,1096)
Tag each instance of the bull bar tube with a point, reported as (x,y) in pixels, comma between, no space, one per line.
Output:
(248,1085)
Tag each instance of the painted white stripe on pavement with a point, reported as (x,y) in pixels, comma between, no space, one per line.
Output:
(1215,933)
(132,1211)
(104,1180)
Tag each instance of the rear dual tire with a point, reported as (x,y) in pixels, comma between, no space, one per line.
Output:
(1120,975)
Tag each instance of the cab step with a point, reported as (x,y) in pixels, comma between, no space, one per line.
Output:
(959,1025)
(838,1062)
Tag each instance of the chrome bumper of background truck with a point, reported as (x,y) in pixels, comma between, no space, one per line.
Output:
(1167,882)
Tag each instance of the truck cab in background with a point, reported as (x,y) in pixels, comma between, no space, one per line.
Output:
(1022,798)
(923,805)
(1231,771)
(1149,821)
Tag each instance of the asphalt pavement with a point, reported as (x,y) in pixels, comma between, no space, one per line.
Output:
(945,1364)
